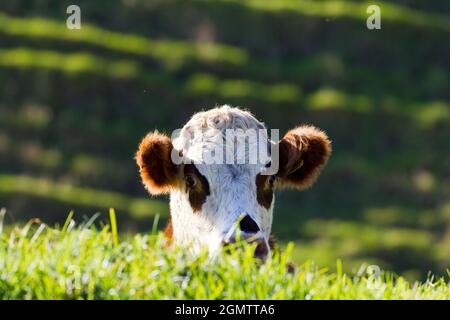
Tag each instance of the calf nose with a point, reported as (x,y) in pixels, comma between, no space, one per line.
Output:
(248,225)
(250,232)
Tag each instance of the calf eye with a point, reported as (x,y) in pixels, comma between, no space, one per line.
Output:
(272,180)
(190,181)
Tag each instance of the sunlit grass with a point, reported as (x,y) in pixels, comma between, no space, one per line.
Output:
(430,113)
(328,98)
(171,52)
(369,237)
(69,194)
(39,262)
(426,113)
(351,9)
(396,215)
(382,236)
(206,84)
(71,63)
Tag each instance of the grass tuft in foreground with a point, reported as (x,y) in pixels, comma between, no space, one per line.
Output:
(38,262)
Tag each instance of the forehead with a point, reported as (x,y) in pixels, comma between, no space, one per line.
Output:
(232,141)
(226,173)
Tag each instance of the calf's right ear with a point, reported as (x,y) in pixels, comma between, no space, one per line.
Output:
(158,172)
(303,153)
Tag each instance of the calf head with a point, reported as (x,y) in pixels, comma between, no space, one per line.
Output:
(213,201)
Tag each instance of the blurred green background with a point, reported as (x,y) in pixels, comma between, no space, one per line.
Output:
(74,105)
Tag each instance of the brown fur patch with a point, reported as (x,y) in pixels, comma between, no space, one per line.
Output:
(199,192)
(303,152)
(159,174)
(168,232)
(264,191)
(272,242)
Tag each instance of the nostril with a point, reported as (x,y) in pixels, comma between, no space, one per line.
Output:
(248,225)
(261,250)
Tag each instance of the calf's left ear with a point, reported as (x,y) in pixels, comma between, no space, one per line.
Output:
(303,153)
(158,172)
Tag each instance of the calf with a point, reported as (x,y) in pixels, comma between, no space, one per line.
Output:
(215,188)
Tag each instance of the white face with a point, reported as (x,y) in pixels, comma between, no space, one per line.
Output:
(206,213)
(217,192)
(210,199)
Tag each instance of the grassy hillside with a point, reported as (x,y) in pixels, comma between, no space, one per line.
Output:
(38,262)
(74,105)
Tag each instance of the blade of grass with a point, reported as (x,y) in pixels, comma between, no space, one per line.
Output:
(92,219)
(155,224)
(66,224)
(112,217)
(2,218)
(37,233)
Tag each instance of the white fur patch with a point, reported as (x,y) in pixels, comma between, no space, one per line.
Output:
(232,186)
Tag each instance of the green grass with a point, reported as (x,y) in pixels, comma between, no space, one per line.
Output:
(73,63)
(69,194)
(381,95)
(39,262)
(171,52)
(349,9)
(205,84)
